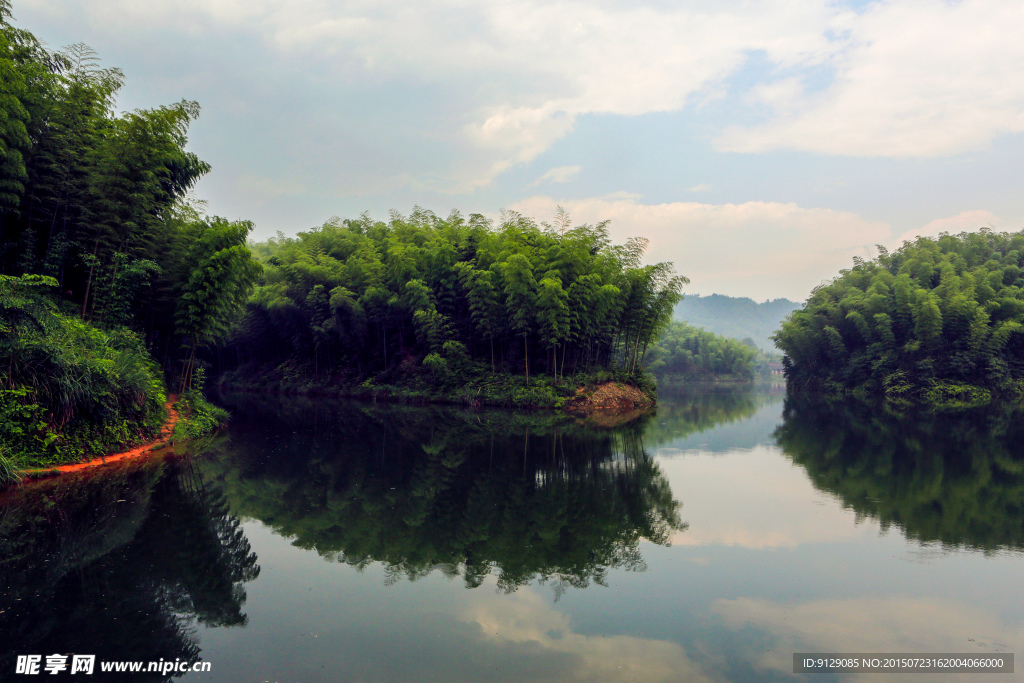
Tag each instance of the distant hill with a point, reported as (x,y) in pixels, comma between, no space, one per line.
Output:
(736,317)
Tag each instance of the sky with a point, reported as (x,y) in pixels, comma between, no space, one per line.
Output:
(758,145)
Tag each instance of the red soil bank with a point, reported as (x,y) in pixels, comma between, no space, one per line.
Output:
(161,440)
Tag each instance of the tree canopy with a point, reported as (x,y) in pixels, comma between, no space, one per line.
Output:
(98,200)
(939,319)
(692,353)
(368,296)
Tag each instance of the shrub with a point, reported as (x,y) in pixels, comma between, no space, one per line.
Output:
(196,416)
(9,474)
(70,388)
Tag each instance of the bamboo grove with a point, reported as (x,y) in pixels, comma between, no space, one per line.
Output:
(361,297)
(98,201)
(939,319)
(692,353)
(106,262)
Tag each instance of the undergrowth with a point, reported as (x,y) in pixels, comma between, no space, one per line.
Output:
(69,389)
(196,416)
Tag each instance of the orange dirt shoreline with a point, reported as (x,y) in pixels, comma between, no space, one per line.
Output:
(162,439)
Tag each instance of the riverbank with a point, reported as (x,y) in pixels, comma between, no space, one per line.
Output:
(163,439)
(581,392)
(188,417)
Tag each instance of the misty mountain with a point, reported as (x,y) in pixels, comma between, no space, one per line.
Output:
(737,317)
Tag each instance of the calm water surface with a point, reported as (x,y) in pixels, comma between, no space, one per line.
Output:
(319,541)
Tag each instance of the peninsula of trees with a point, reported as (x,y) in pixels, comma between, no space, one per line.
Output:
(940,320)
(449,303)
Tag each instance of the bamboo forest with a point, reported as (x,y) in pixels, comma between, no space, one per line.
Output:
(469,444)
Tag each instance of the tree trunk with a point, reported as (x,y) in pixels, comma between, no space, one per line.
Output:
(526,351)
(88,282)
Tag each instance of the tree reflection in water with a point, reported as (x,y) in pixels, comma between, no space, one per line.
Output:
(687,409)
(956,478)
(533,496)
(121,565)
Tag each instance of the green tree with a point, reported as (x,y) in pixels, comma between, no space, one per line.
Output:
(222,277)
(552,315)
(520,299)
(936,320)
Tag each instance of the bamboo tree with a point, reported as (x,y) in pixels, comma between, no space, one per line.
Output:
(520,301)
(222,276)
(552,315)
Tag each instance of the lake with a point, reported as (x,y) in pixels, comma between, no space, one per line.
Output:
(709,541)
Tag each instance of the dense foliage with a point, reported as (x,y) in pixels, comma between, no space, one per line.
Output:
(951,477)
(736,317)
(690,353)
(453,296)
(94,209)
(87,195)
(196,416)
(66,387)
(98,201)
(939,319)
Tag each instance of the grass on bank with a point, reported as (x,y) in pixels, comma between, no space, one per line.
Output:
(9,474)
(196,416)
(71,390)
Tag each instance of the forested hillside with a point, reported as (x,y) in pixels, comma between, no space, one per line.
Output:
(441,300)
(736,317)
(105,262)
(940,319)
(685,352)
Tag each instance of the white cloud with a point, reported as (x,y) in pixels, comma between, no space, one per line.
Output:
(521,72)
(917,78)
(912,78)
(559,174)
(869,624)
(965,221)
(700,187)
(503,80)
(758,249)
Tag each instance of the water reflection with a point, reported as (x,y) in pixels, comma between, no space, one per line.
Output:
(533,496)
(122,565)
(956,478)
(737,415)
(898,624)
